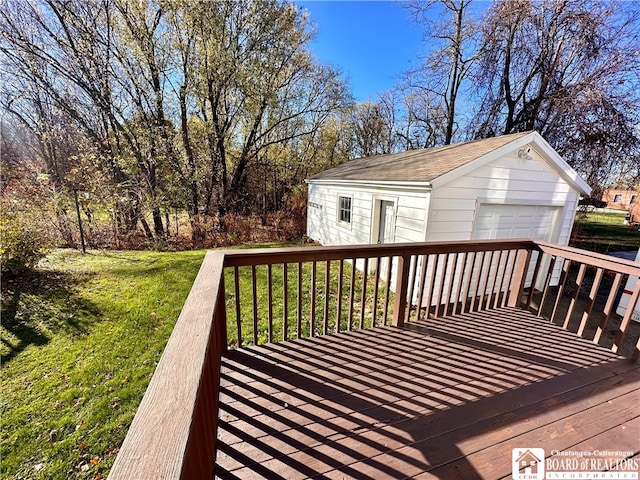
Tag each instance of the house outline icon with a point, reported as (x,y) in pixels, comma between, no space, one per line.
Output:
(528,463)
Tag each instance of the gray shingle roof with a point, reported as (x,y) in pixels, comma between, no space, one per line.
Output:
(422,165)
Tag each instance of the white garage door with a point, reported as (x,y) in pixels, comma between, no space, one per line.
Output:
(515,221)
(498,222)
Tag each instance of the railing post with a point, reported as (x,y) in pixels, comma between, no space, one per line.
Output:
(220,320)
(519,277)
(402,283)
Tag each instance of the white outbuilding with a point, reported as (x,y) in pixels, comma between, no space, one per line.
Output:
(514,186)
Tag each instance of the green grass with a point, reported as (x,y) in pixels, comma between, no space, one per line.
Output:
(80,341)
(309,320)
(604,232)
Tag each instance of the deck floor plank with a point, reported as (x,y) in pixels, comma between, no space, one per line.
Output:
(439,398)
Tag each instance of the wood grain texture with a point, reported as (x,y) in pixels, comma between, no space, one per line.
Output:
(173,433)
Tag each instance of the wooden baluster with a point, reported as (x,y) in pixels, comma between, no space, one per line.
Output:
(498,284)
(352,290)
(364,292)
(423,275)
(299,319)
(592,300)
(401,290)
(387,290)
(484,280)
(412,281)
(339,305)
(574,297)
(534,279)
(312,319)
(285,302)
(563,279)
(432,280)
(457,298)
(476,287)
(511,268)
(547,283)
(452,276)
(608,308)
(254,297)
(270,300)
(633,300)
(376,281)
(467,285)
(325,323)
(236,280)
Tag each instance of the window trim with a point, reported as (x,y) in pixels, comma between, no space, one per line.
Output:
(340,210)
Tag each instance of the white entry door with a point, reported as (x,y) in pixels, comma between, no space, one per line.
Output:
(387,219)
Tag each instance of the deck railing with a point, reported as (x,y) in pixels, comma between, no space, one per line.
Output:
(245,297)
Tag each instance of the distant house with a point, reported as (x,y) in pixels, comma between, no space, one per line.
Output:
(514,186)
(628,200)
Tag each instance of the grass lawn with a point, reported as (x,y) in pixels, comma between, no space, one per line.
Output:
(80,341)
(604,232)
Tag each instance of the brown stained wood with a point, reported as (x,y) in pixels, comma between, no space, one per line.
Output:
(492,279)
(387,291)
(299,309)
(458,292)
(547,284)
(285,302)
(484,281)
(431,286)
(600,260)
(441,287)
(339,295)
(608,308)
(592,299)
(254,298)
(452,276)
(163,440)
(376,282)
(513,256)
(519,277)
(264,256)
(423,274)
(270,302)
(534,279)
(363,303)
(563,279)
(622,330)
(476,282)
(236,286)
(401,291)
(312,315)
(392,414)
(413,272)
(500,275)
(352,293)
(574,297)
(467,286)
(327,297)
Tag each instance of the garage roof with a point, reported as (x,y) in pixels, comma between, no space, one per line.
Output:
(422,165)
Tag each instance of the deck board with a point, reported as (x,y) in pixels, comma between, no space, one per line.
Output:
(441,398)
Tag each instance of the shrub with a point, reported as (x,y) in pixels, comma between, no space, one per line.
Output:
(22,243)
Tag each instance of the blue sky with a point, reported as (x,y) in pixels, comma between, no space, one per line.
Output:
(371,42)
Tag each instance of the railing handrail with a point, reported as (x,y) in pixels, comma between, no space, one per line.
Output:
(266,256)
(595,259)
(161,441)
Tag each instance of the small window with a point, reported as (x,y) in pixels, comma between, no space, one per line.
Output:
(344,209)
(617,198)
(633,199)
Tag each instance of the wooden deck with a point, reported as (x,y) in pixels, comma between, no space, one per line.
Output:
(443,398)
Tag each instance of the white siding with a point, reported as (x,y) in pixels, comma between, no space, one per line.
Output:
(322,215)
(507,180)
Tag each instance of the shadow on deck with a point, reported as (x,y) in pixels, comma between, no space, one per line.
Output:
(440,398)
